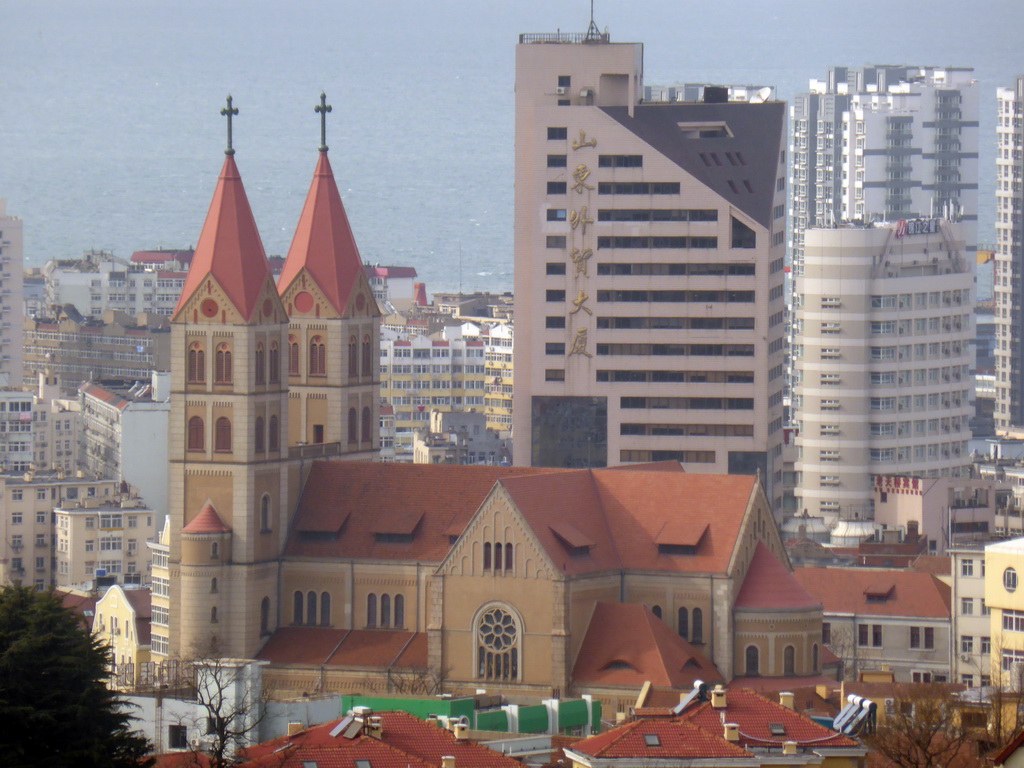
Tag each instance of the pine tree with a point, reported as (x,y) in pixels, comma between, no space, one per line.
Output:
(55,706)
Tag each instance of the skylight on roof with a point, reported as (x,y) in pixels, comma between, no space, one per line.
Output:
(309,764)
(777,729)
(705,130)
(652,740)
(362,764)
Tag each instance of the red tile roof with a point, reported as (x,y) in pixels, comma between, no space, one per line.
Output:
(207,521)
(229,247)
(626,644)
(913,594)
(624,511)
(379,271)
(104,395)
(324,244)
(405,741)
(159,257)
(675,740)
(326,646)
(755,715)
(446,496)
(770,585)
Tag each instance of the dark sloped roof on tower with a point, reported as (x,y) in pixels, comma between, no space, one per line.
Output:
(750,155)
(769,585)
(229,247)
(324,244)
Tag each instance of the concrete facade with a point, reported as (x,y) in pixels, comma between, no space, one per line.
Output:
(882,363)
(884,141)
(12,260)
(1008,281)
(640,227)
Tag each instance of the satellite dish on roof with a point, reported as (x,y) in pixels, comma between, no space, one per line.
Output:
(761,96)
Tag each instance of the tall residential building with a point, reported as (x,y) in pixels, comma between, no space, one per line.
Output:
(1008,282)
(649,247)
(12,258)
(886,142)
(884,319)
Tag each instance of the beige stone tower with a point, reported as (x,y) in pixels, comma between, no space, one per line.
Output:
(230,475)
(333,341)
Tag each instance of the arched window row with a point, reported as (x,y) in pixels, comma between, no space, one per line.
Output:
(196,440)
(305,605)
(260,361)
(789,661)
(265,616)
(353,357)
(259,436)
(317,357)
(222,373)
(690,625)
(366,430)
(353,434)
(753,661)
(385,611)
(499,557)
(196,364)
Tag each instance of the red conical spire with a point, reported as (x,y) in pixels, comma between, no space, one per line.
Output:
(229,247)
(323,243)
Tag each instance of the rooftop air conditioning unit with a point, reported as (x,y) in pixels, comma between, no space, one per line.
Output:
(561,90)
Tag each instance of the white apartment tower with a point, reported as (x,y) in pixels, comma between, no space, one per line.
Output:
(884,319)
(649,243)
(885,143)
(12,258)
(1009,259)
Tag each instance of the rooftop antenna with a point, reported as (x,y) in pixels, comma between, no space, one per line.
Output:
(593,33)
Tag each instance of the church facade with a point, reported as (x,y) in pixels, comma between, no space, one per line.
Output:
(288,544)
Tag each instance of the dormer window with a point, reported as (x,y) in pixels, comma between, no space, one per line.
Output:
(678,538)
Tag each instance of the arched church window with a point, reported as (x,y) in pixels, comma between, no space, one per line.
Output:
(311,607)
(656,610)
(498,643)
(265,513)
(367,426)
(385,610)
(261,364)
(487,556)
(222,371)
(697,626)
(753,661)
(274,435)
(367,360)
(371,610)
(298,601)
(196,434)
(353,357)
(196,364)
(498,552)
(325,609)
(275,363)
(683,623)
(789,661)
(399,612)
(317,357)
(259,436)
(353,434)
(265,616)
(508,557)
(293,356)
(814,658)
(222,435)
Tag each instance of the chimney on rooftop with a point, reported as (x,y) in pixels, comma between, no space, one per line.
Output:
(461,731)
(375,726)
(789,747)
(448,761)
(787,699)
(732,732)
(718,700)
(294,728)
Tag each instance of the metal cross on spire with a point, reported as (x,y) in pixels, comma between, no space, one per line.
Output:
(229,112)
(323,108)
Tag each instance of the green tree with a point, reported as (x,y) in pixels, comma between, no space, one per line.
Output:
(55,706)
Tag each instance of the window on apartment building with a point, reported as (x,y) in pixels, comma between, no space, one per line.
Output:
(554,134)
(177,737)
(1010,580)
(1013,621)
(17,494)
(967,567)
(985,645)
(556,214)
(557,188)
(967,606)
(557,161)
(966,644)
(922,637)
